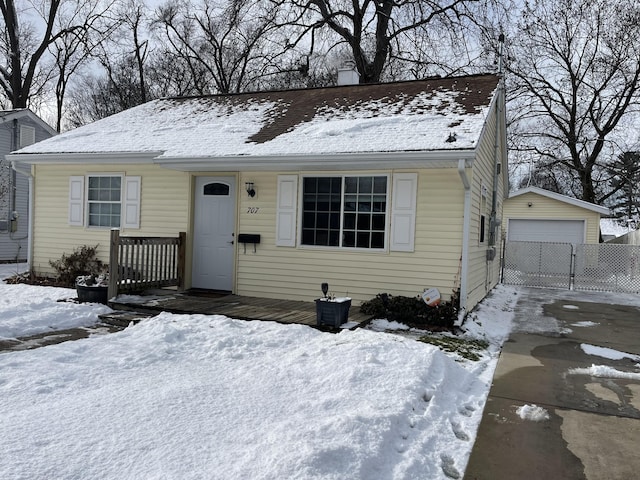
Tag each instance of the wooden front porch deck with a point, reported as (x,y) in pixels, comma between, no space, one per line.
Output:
(233,306)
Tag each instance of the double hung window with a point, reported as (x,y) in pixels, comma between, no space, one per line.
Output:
(104,201)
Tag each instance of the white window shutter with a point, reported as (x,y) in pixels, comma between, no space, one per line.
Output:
(286,210)
(403,212)
(76,201)
(131,202)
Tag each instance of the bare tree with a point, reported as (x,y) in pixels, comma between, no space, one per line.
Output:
(573,74)
(73,50)
(25,41)
(377,31)
(227,46)
(98,95)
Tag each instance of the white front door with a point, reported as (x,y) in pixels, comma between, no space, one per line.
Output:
(213,233)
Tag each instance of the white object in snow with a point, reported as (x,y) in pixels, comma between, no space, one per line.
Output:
(431,297)
(533,413)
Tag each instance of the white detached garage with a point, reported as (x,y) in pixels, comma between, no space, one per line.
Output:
(533,214)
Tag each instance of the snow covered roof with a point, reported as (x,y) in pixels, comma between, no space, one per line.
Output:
(561,198)
(443,114)
(612,227)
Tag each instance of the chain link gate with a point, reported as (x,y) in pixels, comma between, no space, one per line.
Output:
(537,264)
(603,267)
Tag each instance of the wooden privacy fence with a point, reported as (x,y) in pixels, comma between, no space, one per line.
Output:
(141,263)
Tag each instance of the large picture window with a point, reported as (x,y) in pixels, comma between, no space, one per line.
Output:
(349,211)
(104,201)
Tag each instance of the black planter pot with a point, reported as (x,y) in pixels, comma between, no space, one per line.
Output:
(92,294)
(333,314)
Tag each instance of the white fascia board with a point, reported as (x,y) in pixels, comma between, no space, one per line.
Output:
(82,158)
(334,162)
(562,198)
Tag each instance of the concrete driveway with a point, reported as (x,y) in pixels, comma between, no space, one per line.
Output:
(593,426)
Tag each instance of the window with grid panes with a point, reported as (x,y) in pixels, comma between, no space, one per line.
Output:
(348,211)
(104,201)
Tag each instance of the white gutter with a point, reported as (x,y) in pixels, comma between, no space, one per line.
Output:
(331,161)
(83,158)
(27,172)
(466,233)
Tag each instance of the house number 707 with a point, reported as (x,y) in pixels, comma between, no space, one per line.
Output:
(253,209)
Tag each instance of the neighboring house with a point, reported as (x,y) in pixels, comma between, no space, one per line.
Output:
(610,228)
(371,188)
(18,129)
(613,232)
(538,215)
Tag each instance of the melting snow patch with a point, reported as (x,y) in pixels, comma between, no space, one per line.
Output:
(607,352)
(603,371)
(533,413)
(584,324)
(381,325)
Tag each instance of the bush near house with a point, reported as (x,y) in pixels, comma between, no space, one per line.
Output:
(83,261)
(413,311)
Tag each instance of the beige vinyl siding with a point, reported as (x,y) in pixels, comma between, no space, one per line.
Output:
(297,272)
(164,209)
(483,275)
(544,208)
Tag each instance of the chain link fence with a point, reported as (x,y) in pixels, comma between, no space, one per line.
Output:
(598,267)
(607,268)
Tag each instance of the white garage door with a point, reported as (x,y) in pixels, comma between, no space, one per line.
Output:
(567,231)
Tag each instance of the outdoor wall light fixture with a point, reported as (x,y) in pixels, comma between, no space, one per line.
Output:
(251,191)
(530,204)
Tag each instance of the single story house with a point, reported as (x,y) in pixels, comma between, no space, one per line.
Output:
(18,128)
(537,215)
(394,187)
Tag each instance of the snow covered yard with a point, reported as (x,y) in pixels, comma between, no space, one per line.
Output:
(194,396)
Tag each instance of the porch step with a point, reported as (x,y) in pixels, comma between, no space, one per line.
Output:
(121,318)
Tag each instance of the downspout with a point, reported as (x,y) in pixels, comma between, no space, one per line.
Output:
(26,171)
(12,179)
(497,162)
(466,233)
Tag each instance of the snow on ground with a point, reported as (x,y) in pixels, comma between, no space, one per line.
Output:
(584,324)
(28,310)
(609,353)
(604,371)
(195,396)
(533,413)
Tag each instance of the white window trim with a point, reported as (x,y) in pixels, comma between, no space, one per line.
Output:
(341,248)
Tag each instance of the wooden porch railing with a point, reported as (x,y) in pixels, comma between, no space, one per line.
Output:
(141,263)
